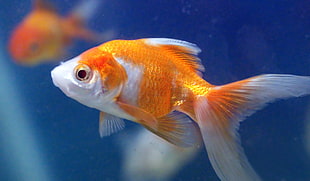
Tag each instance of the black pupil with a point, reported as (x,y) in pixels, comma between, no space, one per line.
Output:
(34,47)
(82,74)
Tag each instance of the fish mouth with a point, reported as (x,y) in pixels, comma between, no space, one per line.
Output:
(56,76)
(61,74)
(60,81)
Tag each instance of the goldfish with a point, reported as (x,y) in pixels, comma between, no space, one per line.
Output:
(157,82)
(43,35)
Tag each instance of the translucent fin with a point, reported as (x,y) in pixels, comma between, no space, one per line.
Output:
(183,51)
(223,144)
(221,110)
(175,127)
(76,21)
(190,47)
(86,9)
(109,124)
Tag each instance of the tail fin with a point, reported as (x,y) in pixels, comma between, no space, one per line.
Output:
(220,112)
(76,22)
(86,9)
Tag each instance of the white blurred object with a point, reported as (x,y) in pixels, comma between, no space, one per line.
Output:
(19,146)
(87,8)
(307,131)
(147,157)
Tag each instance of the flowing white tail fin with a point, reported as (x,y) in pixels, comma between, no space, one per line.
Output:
(87,8)
(224,107)
(83,13)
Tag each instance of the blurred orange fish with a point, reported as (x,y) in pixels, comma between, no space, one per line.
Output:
(157,81)
(43,34)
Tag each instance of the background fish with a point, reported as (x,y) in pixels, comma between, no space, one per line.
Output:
(43,35)
(153,81)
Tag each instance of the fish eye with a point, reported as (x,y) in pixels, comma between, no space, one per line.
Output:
(83,73)
(34,47)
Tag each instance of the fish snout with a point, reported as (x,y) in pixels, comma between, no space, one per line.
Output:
(56,76)
(61,80)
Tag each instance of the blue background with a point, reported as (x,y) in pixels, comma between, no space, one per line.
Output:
(238,39)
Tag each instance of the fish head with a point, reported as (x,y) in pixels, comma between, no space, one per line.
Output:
(25,45)
(35,40)
(88,78)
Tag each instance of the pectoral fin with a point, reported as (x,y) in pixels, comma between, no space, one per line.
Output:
(109,124)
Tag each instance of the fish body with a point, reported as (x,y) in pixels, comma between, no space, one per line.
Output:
(149,82)
(43,34)
(157,83)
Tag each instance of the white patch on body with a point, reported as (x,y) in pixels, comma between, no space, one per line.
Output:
(131,89)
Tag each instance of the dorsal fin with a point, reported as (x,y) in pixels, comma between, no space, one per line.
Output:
(43,5)
(184,51)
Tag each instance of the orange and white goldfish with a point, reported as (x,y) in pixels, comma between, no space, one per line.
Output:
(156,82)
(43,34)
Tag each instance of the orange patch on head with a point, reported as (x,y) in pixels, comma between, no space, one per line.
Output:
(112,73)
(94,58)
